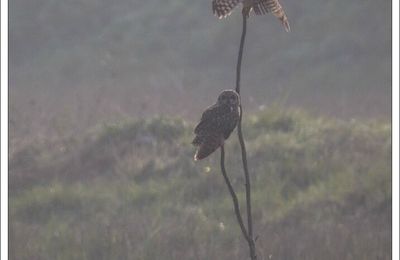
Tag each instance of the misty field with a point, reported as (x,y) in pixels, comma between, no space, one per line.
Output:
(130,190)
(103,99)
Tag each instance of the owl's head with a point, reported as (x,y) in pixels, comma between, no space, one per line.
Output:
(228,97)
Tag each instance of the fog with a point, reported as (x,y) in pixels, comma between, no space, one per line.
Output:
(95,60)
(103,99)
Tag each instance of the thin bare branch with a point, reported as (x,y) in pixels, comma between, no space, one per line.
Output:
(233,195)
(243,146)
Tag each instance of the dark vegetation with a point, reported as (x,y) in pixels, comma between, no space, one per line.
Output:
(130,190)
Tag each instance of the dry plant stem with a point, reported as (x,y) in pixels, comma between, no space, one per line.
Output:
(243,146)
(239,61)
(233,195)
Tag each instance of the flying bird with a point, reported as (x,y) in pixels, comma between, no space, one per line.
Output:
(223,8)
(216,124)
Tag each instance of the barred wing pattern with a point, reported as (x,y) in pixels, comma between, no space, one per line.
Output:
(223,8)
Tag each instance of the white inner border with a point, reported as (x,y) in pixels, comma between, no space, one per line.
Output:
(4,129)
(395,129)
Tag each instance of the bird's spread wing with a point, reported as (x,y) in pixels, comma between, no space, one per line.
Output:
(223,8)
(272,6)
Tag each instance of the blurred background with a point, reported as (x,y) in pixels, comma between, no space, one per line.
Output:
(103,97)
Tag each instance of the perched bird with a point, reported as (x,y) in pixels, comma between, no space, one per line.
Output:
(216,124)
(223,8)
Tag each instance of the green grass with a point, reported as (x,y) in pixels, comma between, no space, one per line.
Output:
(321,190)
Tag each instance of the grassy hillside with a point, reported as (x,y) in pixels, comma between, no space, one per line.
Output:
(321,190)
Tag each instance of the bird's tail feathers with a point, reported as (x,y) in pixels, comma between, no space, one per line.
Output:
(204,151)
(207,147)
